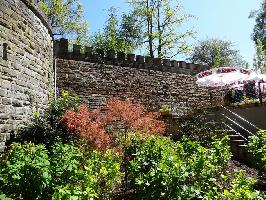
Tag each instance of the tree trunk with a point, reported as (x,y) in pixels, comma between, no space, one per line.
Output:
(150,29)
(159,49)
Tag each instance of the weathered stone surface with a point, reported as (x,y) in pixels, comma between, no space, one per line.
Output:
(95,82)
(26,69)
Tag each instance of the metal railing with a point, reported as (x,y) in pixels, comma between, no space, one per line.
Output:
(239,124)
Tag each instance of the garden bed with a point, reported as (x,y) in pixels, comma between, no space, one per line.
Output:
(71,152)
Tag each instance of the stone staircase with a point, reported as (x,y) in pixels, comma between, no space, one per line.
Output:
(239,130)
(237,127)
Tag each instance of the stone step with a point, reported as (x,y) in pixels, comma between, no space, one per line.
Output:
(242,145)
(234,135)
(238,142)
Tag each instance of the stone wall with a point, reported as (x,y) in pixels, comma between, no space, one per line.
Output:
(96,75)
(94,55)
(95,82)
(26,63)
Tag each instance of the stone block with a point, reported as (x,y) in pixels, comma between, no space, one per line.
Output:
(149,59)
(174,66)
(6,101)
(4,116)
(100,53)
(63,48)
(182,64)
(76,51)
(130,58)
(140,59)
(88,51)
(5,51)
(4,137)
(157,61)
(110,55)
(2,92)
(166,65)
(121,56)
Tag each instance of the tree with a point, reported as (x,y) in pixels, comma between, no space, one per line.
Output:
(159,20)
(130,30)
(118,36)
(216,53)
(260,57)
(259,30)
(66,18)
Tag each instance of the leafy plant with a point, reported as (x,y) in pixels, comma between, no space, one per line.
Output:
(28,171)
(88,125)
(103,173)
(66,18)
(118,35)
(163,169)
(159,20)
(4,197)
(215,52)
(66,164)
(133,117)
(25,172)
(257,148)
(46,128)
(102,130)
(242,188)
(71,192)
(165,108)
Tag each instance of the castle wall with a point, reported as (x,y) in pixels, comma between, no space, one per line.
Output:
(26,63)
(95,55)
(96,75)
(94,83)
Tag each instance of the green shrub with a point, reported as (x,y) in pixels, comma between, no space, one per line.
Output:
(28,171)
(25,172)
(242,188)
(66,164)
(70,192)
(103,173)
(4,197)
(46,128)
(257,148)
(163,169)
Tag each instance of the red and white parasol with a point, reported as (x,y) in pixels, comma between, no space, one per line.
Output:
(227,76)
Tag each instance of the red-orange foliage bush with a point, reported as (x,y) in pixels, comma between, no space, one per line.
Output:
(92,125)
(88,125)
(149,124)
(133,117)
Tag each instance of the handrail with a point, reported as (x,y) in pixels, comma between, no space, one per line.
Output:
(250,133)
(237,133)
(243,119)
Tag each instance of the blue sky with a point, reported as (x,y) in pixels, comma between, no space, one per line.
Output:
(224,19)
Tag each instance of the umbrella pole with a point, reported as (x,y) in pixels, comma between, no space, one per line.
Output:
(222,94)
(260,94)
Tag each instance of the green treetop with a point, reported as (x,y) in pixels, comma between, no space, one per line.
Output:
(66,19)
(160,20)
(259,31)
(120,36)
(216,53)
